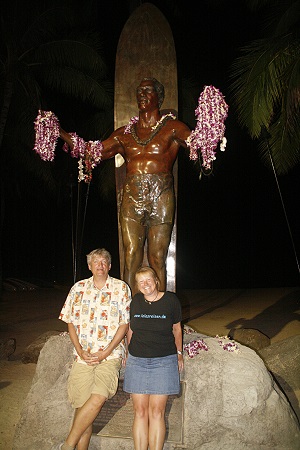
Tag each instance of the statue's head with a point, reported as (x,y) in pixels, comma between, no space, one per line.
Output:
(159,88)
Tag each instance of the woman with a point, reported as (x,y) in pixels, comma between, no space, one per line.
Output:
(154,360)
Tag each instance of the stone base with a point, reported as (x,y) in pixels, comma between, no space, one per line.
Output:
(120,424)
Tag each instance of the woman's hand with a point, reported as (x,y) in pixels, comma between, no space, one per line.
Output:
(180,363)
(124,360)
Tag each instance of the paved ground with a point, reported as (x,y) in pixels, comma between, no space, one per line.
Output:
(274,311)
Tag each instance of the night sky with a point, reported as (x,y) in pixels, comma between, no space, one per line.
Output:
(231,227)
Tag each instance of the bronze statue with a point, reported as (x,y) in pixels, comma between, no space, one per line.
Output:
(149,149)
(149,145)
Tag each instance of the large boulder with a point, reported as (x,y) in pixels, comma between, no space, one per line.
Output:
(32,351)
(46,412)
(250,337)
(7,348)
(232,401)
(283,360)
(229,401)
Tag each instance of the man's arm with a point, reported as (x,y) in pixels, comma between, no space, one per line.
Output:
(83,354)
(111,146)
(181,133)
(120,334)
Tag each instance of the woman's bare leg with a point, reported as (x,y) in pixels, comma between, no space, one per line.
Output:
(157,424)
(140,427)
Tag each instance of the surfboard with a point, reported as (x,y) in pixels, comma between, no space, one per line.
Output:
(145,49)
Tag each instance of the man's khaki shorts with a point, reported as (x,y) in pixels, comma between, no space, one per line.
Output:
(85,380)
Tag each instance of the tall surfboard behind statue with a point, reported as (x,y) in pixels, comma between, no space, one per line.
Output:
(145,49)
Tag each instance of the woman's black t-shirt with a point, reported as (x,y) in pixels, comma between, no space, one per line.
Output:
(152,326)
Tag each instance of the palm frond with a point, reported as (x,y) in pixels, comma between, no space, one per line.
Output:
(77,85)
(292,94)
(289,20)
(259,82)
(56,21)
(283,146)
(68,53)
(255,5)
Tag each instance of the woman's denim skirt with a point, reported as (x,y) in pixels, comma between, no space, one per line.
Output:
(152,375)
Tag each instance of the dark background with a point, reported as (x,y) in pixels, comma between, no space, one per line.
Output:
(231,228)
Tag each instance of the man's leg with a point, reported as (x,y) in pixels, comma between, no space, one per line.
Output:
(159,237)
(81,430)
(133,235)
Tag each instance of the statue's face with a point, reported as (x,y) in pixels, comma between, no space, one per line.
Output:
(146,95)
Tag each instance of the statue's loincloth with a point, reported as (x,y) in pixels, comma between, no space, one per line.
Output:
(149,199)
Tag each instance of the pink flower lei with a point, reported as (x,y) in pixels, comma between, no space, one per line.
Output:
(89,153)
(211,113)
(46,127)
(135,119)
(194,347)
(227,344)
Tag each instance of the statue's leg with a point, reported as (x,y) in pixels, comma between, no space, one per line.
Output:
(158,239)
(160,225)
(133,235)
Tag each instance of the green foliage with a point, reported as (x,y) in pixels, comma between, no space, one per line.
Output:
(266,89)
(50,57)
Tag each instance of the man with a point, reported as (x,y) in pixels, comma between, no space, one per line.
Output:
(149,146)
(97,313)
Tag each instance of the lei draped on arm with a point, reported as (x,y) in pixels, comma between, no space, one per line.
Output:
(210,114)
(47,131)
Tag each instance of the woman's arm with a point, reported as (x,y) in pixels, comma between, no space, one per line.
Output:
(129,335)
(177,331)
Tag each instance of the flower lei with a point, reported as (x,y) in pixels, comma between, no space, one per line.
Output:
(46,127)
(89,154)
(211,113)
(194,347)
(135,119)
(227,344)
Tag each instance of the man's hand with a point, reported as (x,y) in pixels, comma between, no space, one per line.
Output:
(99,356)
(90,359)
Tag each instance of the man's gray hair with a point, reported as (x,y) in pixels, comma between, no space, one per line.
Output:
(99,252)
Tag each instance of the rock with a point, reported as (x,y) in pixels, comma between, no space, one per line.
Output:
(7,348)
(46,412)
(250,337)
(32,351)
(283,361)
(230,402)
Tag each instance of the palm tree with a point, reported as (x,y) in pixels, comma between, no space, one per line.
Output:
(266,85)
(46,63)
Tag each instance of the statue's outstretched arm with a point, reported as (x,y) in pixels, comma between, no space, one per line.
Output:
(48,130)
